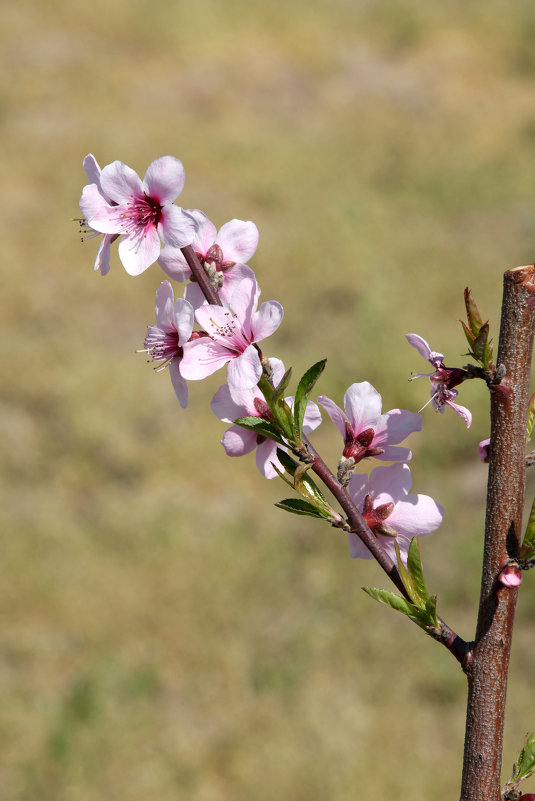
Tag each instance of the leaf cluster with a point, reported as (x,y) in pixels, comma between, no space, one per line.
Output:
(420,607)
(477,333)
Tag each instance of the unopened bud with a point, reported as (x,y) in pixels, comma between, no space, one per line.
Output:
(510,576)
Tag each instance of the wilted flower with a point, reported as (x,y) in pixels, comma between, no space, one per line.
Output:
(443,379)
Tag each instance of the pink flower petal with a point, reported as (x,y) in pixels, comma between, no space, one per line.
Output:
(91,169)
(238,240)
(462,411)
(121,183)
(102,261)
(183,320)
(266,457)
(202,357)
(179,385)
(423,349)
(229,406)
(164,179)
(176,227)
(238,441)
(416,516)
(395,425)
(390,483)
(173,263)
(266,320)
(336,414)
(164,307)
(98,213)
(139,250)
(362,403)
(244,371)
(206,232)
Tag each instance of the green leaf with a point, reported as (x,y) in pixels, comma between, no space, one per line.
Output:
(260,427)
(286,461)
(531,417)
(306,485)
(468,334)
(304,389)
(414,566)
(479,345)
(279,389)
(301,507)
(282,414)
(431,611)
(475,321)
(527,550)
(525,764)
(391,599)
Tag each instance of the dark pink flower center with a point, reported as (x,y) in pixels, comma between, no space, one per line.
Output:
(375,517)
(162,346)
(214,255)
(358,447)
(143,212)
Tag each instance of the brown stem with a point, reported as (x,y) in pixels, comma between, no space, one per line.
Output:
(200,276)
(455,644)
(489,658)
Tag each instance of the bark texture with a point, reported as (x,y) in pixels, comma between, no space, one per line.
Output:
(488,662)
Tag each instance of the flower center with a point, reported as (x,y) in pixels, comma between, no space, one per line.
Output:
(358,447)
(375,517)
(161,346)
(143,212)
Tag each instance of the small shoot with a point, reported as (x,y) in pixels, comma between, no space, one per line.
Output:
(523,768)
(422,607)
(477,333)
(304,388)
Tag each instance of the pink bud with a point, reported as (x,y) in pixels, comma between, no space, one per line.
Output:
(510,576)
(484,450)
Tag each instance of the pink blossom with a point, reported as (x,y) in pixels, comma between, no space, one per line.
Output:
(365,431)
(232,331)
(140,212)
(235,243)
(443,379)
(511,576)
(164,341)
(102,261)
(229,404)
(484,450)
(391,512)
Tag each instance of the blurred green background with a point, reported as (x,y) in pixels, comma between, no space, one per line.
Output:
(166,632)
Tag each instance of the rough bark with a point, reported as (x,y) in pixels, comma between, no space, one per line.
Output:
(488,662)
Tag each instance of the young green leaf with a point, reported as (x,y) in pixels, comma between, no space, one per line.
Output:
(525,764)
(475,321)
(414,567)
(391,599)
(531,417)
(286,461)
(260,427)
(304,388)
(301,507)
(527,551)
(278,391)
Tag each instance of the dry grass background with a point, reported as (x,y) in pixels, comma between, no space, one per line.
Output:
(166,632)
